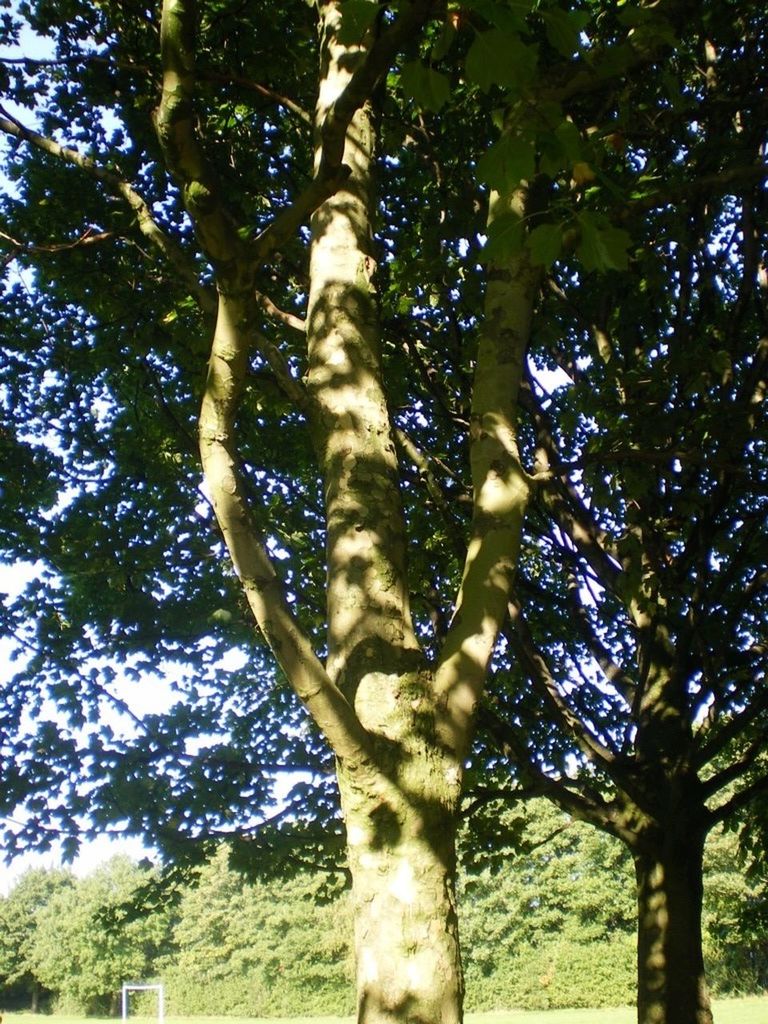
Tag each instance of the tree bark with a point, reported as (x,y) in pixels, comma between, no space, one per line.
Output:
(400,804)
(401,827)
(369,621)
(672,988)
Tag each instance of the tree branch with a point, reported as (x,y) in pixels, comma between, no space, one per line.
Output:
(184,156)
(434,490)
(364,81)
(565,504)
(500,484)
(264,591)
(170,249)
(735,725)
(273,311)
(538,672)
(330,170)
(511,742)
(739,800)
(88,237)
(144,69)
(613,672)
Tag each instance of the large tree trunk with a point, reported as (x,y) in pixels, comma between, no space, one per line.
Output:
(400,805)
(401,826)
(672,988)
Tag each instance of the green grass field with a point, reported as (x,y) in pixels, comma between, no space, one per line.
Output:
(753,1010)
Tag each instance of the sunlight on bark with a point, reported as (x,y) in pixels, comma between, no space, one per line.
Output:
(667,927)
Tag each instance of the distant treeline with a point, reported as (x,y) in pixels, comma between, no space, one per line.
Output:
(549,924)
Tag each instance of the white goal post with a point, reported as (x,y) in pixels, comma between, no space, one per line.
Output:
(140,987)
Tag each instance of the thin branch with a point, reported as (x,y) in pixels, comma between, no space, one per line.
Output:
(292,388)
(144,69)
(574,79)
(561,498)
(510,741)
(724,182)
(735,769)
(275,313)
(541,677)
(434,490)
(149,227)
(732,729)
(739,800)
(89,237)
(482,797)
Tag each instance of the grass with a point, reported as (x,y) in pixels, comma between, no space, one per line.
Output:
(750,1010)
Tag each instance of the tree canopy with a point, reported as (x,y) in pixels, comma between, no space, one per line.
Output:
(462,310)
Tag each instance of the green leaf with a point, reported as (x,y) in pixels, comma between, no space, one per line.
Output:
(564,29)
(721,363)
(500,57)
(569,141)
(647,27)
(602,246)
(510,16)
(356,18)
(429,88)
(614,60)
(505,239)
(444,41)
(509,160)
(545,243)
(560,148)
(221,615)
(631,16)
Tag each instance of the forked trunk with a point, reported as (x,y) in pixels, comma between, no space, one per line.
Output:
(672,988)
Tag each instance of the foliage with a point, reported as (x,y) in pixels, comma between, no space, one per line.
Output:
(82,955)
(550,926)
(735,920)
(243,948)
(597,171)
(553,925)
(19,912)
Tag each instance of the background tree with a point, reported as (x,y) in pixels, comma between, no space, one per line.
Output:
(245,947)
(639,617)
(19,912)
(546,922)
(735,938)
(83,951)
(549,922)
(372,411)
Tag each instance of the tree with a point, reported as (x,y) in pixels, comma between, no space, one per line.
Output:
(735,945)
(19,912)
(550,922)
(368,393)
(399,726)
(243,947)
(82,955)
(639,621)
